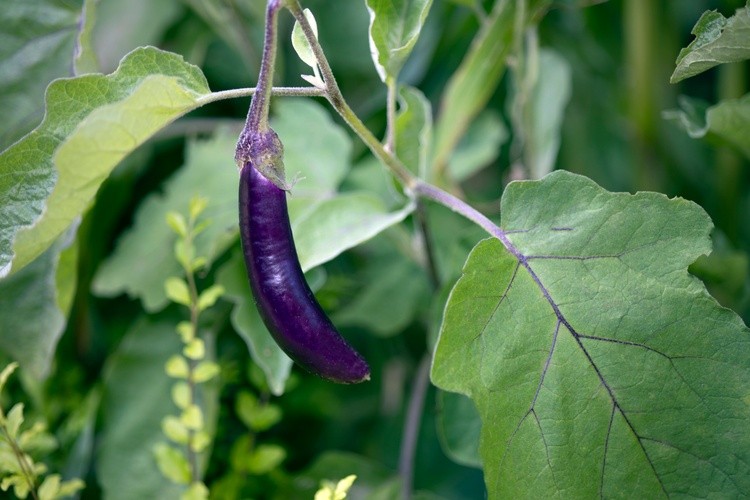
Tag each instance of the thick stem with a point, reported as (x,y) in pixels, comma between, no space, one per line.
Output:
(257,115)
(275,91)
(412,425)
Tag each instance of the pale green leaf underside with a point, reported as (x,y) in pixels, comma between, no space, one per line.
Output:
(340,223)
(394,29)
(414,130)
(729,120)
(31,317)
(50,176)
(599,366)
(718,40)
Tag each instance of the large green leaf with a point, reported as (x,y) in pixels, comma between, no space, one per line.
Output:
(37,39)
(598,364)
(729,120)
(394,29)
(718,40)
(136,399)
(340,223)
(34,302)
(144,257)
(49,177)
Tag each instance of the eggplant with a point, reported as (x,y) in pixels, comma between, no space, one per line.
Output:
(285,302)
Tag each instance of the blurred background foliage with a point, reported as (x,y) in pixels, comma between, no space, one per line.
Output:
(616,56)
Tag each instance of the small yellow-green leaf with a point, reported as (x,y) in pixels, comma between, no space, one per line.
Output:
(198,263)
(195,349)
(197,205)
(177,222)
(196,491)
(181,395)
(49,488)
(209,296)
(68,488)
(177,291)
(186,331)
(7,372)
(177,367)
(184,253)
(200,442)
(14,420)
(172,463)
(300,43)
(258,417)
(206,370)
(192,417)
(265,458)
(175,430)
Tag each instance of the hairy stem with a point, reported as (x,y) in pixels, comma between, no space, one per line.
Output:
(249,91)
(412,425)
(257,115)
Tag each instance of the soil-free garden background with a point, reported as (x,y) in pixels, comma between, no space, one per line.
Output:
(589,362)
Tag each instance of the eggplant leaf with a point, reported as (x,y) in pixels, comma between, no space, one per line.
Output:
(598,364)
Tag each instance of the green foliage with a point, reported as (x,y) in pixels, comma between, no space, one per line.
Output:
(125,300)
(592,341)
(92,123)
(394,29)
(718,40)
(17,468)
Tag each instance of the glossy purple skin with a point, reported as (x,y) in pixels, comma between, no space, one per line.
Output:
(285,302)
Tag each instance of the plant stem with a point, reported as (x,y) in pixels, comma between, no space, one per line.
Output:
(249,91)
(333,93)
(411,426)
(257,115)
(429,251)
(410,183)
(194,313)
(28,473)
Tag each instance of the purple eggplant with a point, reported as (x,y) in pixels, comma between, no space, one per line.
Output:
(285,302)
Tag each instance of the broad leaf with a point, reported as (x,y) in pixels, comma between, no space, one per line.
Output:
(473,83)
(459,426)
(92,122)
(392,294)
(32,316)
(541,115)
(37,39)
(136,399)
(340,223)
(479,147)
(729,121)
(245,319)
(394,29)
(144,257)
(414,130)
(598,364)
(718,40)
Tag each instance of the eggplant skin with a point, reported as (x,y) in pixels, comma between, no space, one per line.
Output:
(287,305)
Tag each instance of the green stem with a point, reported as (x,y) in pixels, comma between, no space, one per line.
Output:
(249,91)
(336,98)
(26,469)
(194,313)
